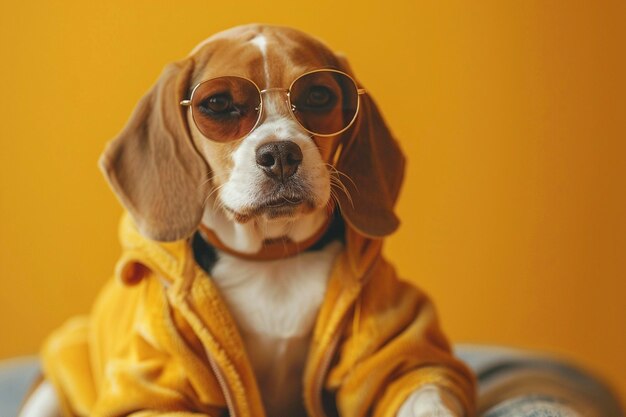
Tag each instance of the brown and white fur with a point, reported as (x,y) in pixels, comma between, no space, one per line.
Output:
(274,302)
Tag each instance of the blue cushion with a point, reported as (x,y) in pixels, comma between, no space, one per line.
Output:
(16,376)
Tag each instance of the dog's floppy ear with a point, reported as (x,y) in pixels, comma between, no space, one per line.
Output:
(374,162)
(152,164)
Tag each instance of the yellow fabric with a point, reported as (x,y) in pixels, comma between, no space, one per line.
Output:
(160,342)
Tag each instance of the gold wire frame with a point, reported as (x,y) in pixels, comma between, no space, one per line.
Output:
(292,107)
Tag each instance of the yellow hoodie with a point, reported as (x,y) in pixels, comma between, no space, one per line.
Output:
(161,342)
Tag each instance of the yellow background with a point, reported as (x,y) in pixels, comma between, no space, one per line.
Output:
(512,114)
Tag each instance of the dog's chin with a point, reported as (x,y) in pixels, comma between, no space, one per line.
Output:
(273,209)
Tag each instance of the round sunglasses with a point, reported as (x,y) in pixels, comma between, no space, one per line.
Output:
(325,102)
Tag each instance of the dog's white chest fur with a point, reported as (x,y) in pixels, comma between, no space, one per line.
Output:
(275,304)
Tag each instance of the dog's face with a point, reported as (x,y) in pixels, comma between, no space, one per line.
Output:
(279,171)
(169,174)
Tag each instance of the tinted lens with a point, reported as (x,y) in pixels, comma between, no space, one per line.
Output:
(324,102)
(226,108)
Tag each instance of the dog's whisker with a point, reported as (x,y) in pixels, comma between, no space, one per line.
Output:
(335,196)
(339,185)
(209,179)
(216,189)
(335,180)
(338,172)
(345,191)
(218,204)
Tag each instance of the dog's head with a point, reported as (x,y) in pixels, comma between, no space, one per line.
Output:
(240,148)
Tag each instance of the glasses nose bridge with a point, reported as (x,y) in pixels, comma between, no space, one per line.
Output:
(271,89)
(275,90)
(271,107)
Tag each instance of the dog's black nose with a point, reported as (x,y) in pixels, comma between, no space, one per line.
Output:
(279,160)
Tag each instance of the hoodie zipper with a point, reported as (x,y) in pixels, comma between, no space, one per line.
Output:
(323,370)
(230,405)
(330,352)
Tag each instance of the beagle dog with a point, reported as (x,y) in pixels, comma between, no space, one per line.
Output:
(260,149)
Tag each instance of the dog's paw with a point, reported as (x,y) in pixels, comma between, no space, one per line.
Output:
(430,401)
